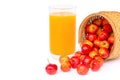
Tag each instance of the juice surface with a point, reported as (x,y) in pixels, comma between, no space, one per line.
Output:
(62,33)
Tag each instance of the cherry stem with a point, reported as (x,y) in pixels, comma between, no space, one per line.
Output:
(48,60)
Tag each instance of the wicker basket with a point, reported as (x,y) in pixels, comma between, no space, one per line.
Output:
(113,18)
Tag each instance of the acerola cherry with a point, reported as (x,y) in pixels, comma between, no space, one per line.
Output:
(95,49)
(104,21)
(107,28)
(82,69)
(93,53)
(86,48)
(98,22)
(99,58)
(104,44)
(103,35)
(95,65)
(65,66)
(51,69)
(78,53)
(91,37)
(87,60)
(64,59)
(104,52)
(88,42)
(75,61)
(111,39)
(92,28)
(96,43)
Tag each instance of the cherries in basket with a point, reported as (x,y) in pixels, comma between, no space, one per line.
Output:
(96,47)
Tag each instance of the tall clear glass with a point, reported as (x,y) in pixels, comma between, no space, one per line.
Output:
(62,30)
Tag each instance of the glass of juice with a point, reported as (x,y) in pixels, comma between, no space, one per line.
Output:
(62,21)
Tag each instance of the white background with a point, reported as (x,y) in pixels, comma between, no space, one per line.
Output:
(24,39)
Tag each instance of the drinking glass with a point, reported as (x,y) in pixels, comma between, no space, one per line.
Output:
(62,28)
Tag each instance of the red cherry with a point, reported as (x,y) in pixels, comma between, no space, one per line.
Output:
(82,69)
(92,28)
(96,43)
(107,28)
(104,52)
(104,21)
(64,59)
(95,49)
(111,39)
(51,69)
(86,48)
(98,22)
(88,42)
(104,44)
(91,37)
(93,53)
(100,59)
(82,57)
(87,60)
(75,61)
(65,66)
(103,35)
(95,65)
(78,53)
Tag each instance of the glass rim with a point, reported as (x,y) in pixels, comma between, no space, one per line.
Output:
(62,7)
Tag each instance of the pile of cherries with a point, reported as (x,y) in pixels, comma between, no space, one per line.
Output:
(94,50)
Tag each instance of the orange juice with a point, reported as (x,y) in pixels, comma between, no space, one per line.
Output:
(62,33)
